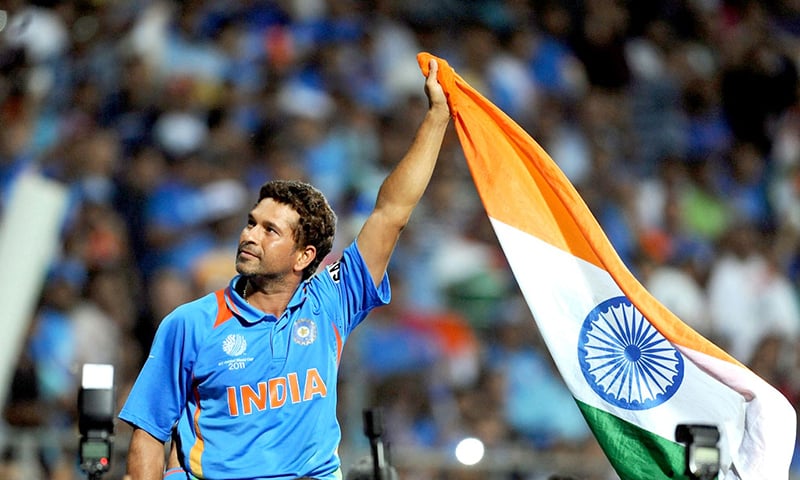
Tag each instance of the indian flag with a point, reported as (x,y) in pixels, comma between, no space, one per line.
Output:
(635,370)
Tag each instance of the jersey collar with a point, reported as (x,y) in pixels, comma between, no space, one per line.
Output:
(251,314)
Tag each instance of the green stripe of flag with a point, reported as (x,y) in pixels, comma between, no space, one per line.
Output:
(634,452)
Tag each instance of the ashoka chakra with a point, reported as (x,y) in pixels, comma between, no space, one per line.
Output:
(625,359)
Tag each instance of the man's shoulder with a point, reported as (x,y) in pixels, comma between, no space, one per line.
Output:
(196,313)
(206,303)
(349,258)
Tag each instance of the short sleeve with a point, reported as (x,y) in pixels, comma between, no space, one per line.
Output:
(357,292)
(159,394)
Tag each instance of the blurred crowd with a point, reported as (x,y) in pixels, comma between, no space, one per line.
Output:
(677,120)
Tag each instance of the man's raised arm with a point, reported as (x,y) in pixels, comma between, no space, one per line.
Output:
(403,188)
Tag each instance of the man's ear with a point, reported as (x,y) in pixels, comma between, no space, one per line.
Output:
(305,256)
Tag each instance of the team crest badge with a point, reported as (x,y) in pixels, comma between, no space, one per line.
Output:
(305,332)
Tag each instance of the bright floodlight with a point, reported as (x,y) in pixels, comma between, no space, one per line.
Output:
(469,451)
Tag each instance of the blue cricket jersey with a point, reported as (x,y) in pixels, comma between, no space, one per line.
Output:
(253,396)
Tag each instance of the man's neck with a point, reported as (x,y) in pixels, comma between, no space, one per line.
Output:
(269,296)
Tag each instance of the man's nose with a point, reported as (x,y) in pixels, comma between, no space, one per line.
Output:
(249,234)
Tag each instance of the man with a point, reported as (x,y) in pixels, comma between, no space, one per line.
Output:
(244,379)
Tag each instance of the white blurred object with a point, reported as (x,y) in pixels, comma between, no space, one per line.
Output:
(682,295)
(750,299)
(305,102)
(180,133)
(27,249)
(224,198)
(97,376)
(644,59)
(307,10)
(509,75)
(469,451)
(40,81)
(149,34)
(41,32)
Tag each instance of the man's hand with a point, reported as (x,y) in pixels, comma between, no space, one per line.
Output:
(437,101)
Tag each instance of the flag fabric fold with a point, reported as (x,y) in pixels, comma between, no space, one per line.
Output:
(635,370)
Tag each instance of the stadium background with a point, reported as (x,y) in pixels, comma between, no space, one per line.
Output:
(678,121)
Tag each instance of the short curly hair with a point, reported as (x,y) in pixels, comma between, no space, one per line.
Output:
(317,224)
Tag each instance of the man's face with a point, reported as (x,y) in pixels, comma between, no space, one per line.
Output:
(267,244)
